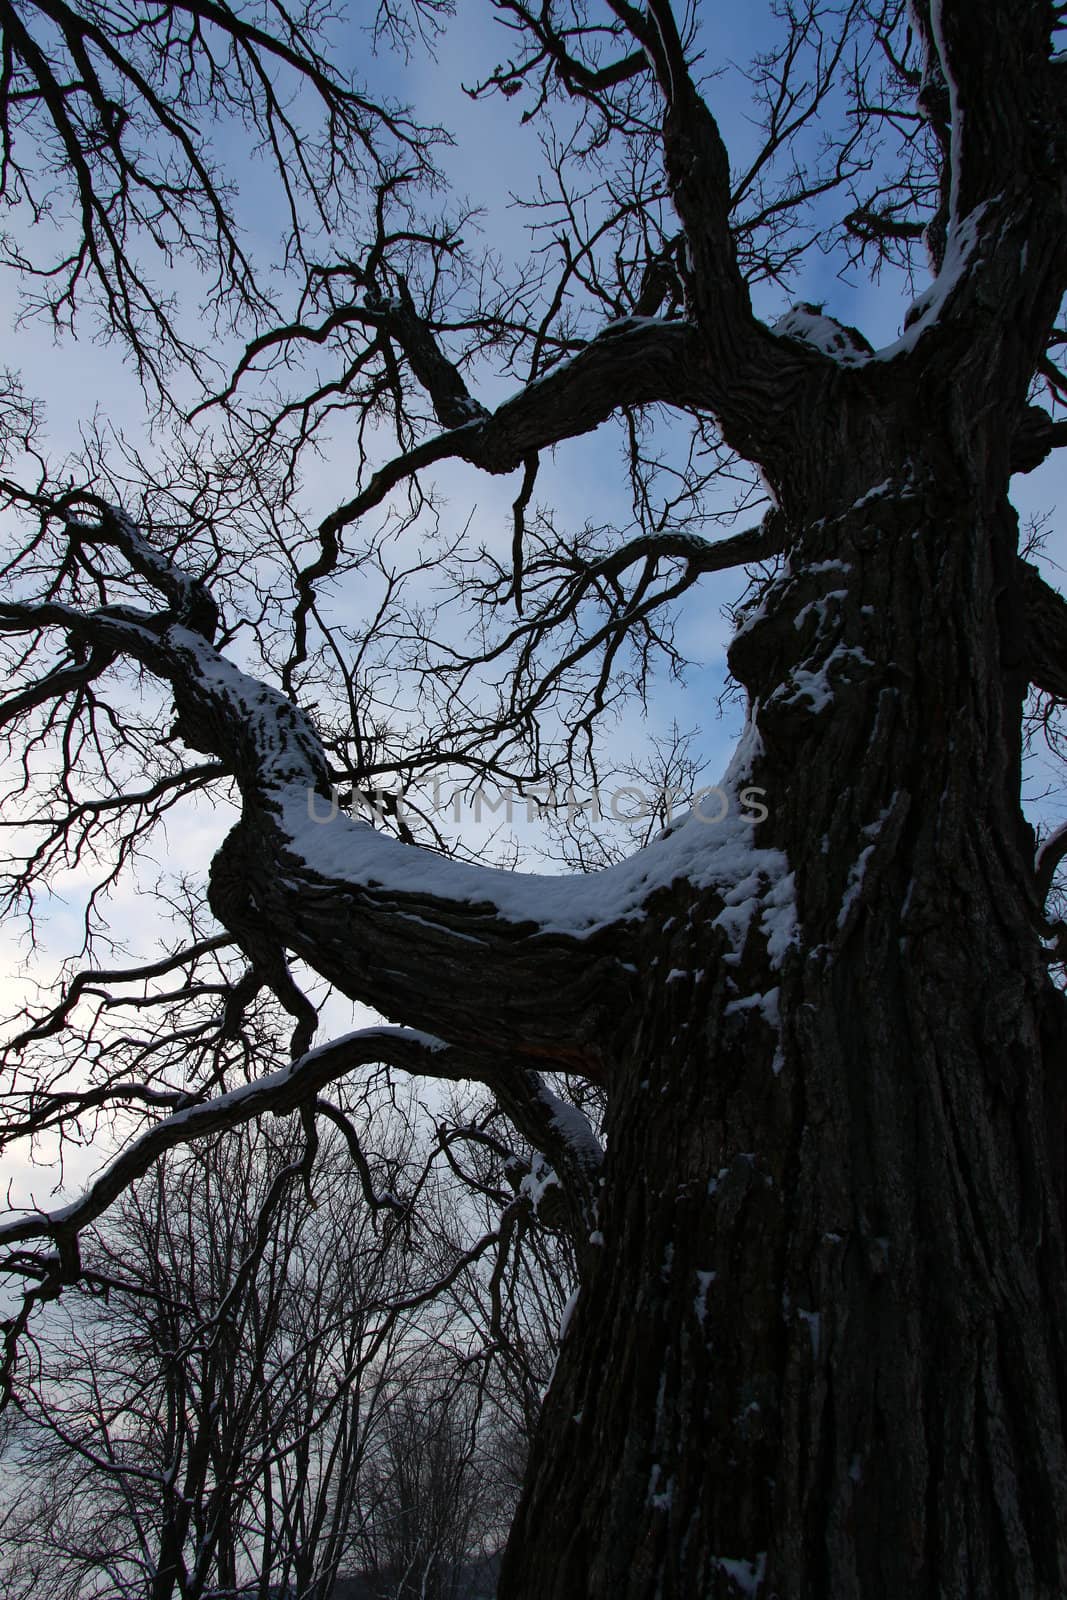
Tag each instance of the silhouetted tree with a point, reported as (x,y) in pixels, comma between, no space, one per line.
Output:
(819,1347)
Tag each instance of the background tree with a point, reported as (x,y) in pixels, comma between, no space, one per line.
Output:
(438,1507)
(256,1395)
(819,1344)
(199,1425)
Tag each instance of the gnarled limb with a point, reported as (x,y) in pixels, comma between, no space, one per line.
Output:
(636,361)
(279,1093)
(1035,439)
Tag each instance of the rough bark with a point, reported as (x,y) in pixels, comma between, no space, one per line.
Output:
(824,1343)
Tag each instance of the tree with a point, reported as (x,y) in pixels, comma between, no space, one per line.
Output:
(436,1498)
(819,1348)
(264,1389)
(200,1425)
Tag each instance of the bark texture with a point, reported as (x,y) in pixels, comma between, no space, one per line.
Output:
(822,1348)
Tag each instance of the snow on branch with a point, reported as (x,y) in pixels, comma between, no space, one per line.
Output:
(279,1093)
(391,924)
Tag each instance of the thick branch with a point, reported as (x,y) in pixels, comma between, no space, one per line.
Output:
(280,1093)
(390,924)
(465,952)
(576,76)
(636,361)
(995,61)
(751,376)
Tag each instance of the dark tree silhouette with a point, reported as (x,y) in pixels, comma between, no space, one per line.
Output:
(819,1347)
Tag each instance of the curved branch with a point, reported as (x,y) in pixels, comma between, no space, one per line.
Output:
(633,362)
(51,1024)
(751,376)
(55,685)
(422,938)
(279,1093)
(637,361)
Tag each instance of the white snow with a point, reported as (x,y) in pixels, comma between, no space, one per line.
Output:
(819,606)
(876,493)
(700,1299)
(814,684)
(202,1118)
(822,332)
(709,854)
(573,1126)
(538,1181)
(926,310)
(854,886)
(767,1003)
(747,1575)
(568,1312)
(955,107)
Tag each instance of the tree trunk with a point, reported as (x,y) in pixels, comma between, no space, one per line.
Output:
(821,1351)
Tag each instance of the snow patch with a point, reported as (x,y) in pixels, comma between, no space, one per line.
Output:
(573,1126)
(926,310)
(827,336)
(819,606)
(823,333)
(815,685)
(766,1003)
(879,490)
(700,1299)
(537,1182)
(747,1575)
(568,1312)
(854,886)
